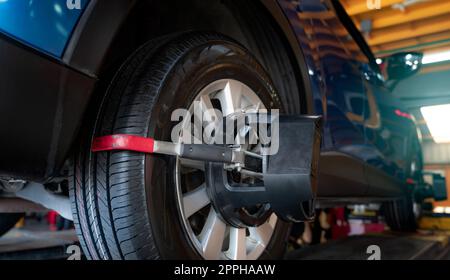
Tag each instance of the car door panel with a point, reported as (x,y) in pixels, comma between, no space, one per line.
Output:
(390,139)
(334,65)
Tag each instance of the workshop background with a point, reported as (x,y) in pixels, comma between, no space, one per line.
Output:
(392,26)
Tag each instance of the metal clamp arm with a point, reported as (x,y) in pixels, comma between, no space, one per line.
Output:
(148,145)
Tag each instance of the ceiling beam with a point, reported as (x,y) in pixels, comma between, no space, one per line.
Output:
(410,44)
(440,67)
(427,39)
(420,48)
(410,30)
(387,18)
(356,7)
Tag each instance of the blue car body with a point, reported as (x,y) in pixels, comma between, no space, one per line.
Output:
(45,25)
(368,140)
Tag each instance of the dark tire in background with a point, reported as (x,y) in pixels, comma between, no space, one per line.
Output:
(403,214)
(124,203)
(400,214)
(8,221)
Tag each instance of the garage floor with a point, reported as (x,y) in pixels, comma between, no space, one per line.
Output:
(33,244)
(393,246)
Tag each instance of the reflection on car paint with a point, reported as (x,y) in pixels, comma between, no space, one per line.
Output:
(358,109)
(43,24)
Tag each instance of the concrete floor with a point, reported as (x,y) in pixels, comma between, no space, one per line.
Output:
(393,246)
(35,241)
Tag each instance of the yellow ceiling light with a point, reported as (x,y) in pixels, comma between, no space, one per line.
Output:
(437,119)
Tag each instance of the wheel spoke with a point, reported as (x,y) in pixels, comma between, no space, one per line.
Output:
(212,236)
(238,244)
(246,133)
(253,136)
(209,112)
(211,119)
(230,98)
(191,134)
(261,234)
(195,200)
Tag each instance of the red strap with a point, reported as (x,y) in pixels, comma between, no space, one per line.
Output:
(123,142)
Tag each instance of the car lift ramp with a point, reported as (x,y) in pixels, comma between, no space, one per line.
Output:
(19,244)
(424,245)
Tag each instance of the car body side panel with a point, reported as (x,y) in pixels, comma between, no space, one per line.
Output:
(334,62)
(44,24)
(392,136)
(42,103)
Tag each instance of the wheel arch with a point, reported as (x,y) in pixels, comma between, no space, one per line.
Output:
(109,31)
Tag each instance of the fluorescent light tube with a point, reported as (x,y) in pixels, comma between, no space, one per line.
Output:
(436,57)
(438,122)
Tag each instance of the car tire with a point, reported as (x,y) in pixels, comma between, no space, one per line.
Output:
(403,214)
(8,221)
(400,214)
(125,203)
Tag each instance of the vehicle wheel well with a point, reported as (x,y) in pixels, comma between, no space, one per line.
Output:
(248,22)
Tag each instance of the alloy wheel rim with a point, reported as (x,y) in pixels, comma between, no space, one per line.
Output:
(212,237)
